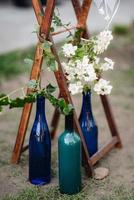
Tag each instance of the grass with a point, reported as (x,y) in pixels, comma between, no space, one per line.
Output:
(51,194)
(12,63)
(120,193)
(126,31)
(104,192)
(121,30)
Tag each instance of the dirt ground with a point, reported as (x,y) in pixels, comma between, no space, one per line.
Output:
(120,162)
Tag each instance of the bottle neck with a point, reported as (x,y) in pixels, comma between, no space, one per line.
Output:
(69,123)
(86,103)
(40,106)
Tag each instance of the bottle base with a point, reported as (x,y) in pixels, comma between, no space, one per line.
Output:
(69,193)
(40,181)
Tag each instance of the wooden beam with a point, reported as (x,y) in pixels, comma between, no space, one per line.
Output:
(24,148)
(104,150)
(36,68)
(110,119)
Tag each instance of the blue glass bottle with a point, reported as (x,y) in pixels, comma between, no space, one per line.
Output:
(88,124)
(40,147)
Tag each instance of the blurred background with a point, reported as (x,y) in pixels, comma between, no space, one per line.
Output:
(17,42)
(17,22)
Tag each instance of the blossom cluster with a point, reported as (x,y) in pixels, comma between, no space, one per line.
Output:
(102,41)
(84,68)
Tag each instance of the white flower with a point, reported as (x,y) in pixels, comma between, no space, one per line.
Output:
(97,60)
(68,68)
(91,75)
(85,61)
(102,41)
(70,77)
(75,88)
(69,50)
(102,87)
(109,64)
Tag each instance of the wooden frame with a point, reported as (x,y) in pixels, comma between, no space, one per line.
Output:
(44,20)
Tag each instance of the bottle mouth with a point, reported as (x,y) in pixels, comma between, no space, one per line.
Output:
(86,93)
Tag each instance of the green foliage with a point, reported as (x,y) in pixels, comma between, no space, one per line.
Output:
(50,88)
(56,23)
(85,49)
(28,61)
(120,30)
(49,57)
(36,28)
(56,20)
(77,36)
(60,103)
(32,84)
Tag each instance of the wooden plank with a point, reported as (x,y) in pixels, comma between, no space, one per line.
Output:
(27,108)
(36,68)
(110,119)
(47,19)
(24,148)
(64,30)
(104,150)
(54,123)
(21,133)
(78,10)
(84,13)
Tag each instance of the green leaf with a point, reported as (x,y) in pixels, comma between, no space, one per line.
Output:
(62,103)
(67,109)
(28,61)
(1,109)
(36,28)
(2,95)
(52,29)
(3,99)
(56,20)
(46,45)
(30,98)
(18,102)
(53,65)
(33,84)
(50,88)
(69,23)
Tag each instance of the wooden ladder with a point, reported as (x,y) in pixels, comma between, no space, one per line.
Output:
(44,19)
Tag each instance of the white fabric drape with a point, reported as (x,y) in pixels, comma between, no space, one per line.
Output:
(107,8)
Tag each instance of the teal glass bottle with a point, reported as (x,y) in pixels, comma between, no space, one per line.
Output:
(40,147)
(69,156)
(88,124)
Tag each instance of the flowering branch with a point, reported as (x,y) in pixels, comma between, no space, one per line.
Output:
(84,68)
